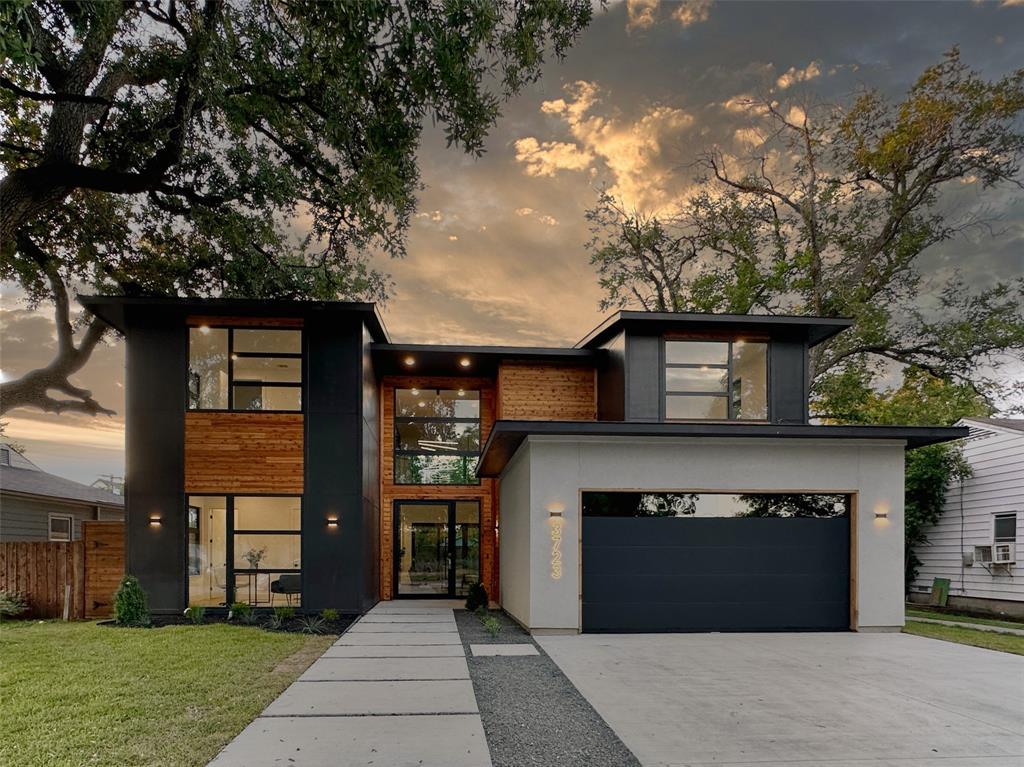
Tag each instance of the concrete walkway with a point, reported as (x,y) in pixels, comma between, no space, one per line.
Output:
(394,691)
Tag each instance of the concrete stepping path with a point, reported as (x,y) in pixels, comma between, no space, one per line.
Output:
(394,690)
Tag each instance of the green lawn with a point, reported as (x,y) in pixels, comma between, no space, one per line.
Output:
(958,618)
(83,694)
(987,639)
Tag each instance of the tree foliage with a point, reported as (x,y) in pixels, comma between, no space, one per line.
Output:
(263,148)
(829,217)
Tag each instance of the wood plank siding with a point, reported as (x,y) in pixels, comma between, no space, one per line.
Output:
(529,391)
(390,492)
(244,453)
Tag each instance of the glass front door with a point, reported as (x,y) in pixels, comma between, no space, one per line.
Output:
(437,547)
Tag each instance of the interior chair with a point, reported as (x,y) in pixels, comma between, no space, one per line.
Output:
(286,585)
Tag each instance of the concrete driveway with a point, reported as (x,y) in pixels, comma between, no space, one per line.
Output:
(841,700)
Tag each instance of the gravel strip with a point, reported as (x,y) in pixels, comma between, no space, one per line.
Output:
(532,714)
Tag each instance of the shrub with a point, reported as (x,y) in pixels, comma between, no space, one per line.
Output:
(196,614)
(477,597)
(130,605)
(492,625)
(284,613)
(312,624)
(240,610)
(12,604)
(329,614)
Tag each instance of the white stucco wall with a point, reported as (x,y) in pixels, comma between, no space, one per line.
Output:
(556,469)
(514,539)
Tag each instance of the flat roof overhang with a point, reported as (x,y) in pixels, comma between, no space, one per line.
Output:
(813,330)
(442,360)
(507,436)
(114,309)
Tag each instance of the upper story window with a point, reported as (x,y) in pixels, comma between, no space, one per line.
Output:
(437,436)
(716,380)
(244,369)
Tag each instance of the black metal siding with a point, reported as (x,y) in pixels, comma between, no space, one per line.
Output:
(787,381)
(735,574)
(156,360)
(611,381)
(332,557)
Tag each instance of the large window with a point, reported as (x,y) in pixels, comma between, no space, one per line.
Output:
(245,549)
(244,369)
(705,505)
(716,380)
(437,436)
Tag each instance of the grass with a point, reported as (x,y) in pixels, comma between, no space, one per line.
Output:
(82,694)
(958,618)
(989,640)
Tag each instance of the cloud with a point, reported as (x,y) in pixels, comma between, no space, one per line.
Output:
(793,75)
(452,238)
(548,157)
(629,149)
(435,216)
(640,13)
(548,220)
(524,211)
(690,12)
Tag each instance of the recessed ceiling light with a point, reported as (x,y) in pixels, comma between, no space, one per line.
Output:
(464,362)
(462,392)
(415,392)
(410,361)
(204,329)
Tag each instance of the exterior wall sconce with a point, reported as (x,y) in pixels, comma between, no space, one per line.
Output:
(332,521)
(882,515)
(155,520)
(409,361)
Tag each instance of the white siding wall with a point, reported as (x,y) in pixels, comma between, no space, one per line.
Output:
(997,485)
(514,539)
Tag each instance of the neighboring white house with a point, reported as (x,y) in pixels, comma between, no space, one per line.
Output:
(978,543)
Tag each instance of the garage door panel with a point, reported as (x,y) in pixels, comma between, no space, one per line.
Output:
(737,616)
(724,574)
(736,587)
(663,560)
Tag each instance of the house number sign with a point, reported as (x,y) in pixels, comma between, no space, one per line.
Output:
(556,549)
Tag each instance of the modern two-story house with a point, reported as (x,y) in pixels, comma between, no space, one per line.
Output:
(661,475)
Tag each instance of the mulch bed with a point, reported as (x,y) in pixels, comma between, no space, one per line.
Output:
(292,625)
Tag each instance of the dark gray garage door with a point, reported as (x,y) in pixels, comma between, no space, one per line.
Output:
(685,572)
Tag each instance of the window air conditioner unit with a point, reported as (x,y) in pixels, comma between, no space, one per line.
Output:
(1004,554)
(982,555)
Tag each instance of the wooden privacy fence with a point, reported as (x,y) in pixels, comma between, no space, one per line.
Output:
(73,580)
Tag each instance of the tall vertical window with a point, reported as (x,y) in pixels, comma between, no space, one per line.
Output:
(244,369)
(716,380)
(437,436)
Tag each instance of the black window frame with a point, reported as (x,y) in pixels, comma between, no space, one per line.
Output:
(231,571)
(396,439)
(728,394)
(1004,515)
(232,354)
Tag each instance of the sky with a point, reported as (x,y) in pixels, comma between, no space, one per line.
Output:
(496,251)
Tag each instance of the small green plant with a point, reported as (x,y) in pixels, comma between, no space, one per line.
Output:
(12,604)
(492,625)
(476,597)
(130,605)
(196,614)
(240,611)
(284,613)
(312,624)
(329,614)
(274,622)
